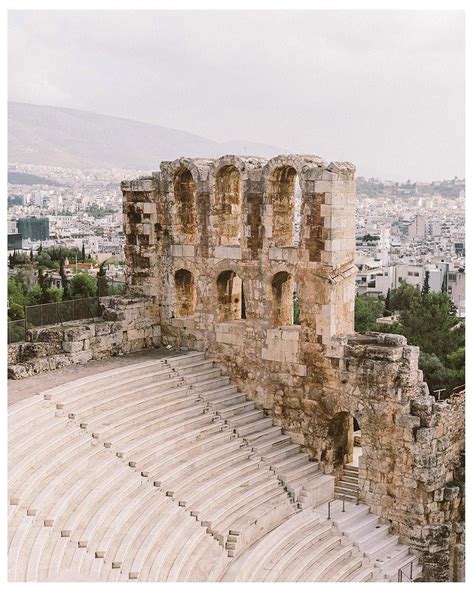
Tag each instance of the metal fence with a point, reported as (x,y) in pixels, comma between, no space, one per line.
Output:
(53,313)
(16,331)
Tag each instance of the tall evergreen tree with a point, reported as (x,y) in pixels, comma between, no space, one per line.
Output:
(426,284)
(444,287)
(388,306)
(64,280)
(83,254)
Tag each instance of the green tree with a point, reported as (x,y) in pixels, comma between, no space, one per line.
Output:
(431,326)
(426,284)
(82,285)
(388,304)
(16,312)
(367,310)
(44,259)
(83,254)
(404,297)
(435,374)
(16,293)
(64,281)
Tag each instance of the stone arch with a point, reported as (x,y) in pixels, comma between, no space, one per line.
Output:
(283,287)
(185,200)
(230,297)
(228,205)
(185,293)
(345,437)
(340,433)
(282,193)
(306,203)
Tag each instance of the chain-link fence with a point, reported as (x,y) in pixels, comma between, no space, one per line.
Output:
(53,313)
(16,331)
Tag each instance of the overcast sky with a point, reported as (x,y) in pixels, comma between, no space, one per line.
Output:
(384,90)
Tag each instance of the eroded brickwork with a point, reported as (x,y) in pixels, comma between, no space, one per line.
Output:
(227,227)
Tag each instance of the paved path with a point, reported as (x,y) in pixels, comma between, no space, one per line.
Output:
(27,387)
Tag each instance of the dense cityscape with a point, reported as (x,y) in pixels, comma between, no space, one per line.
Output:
(404,230)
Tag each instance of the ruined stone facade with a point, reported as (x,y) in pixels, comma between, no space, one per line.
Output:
(230,254)
(127,325)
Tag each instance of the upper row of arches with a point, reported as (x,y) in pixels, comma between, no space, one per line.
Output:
(280,188)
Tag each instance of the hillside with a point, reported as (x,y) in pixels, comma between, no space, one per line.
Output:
(54,136)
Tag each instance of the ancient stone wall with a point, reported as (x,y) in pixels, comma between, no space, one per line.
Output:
(127,325)
(230,252)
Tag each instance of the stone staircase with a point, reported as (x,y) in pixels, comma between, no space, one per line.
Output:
(164,471)
(347,486)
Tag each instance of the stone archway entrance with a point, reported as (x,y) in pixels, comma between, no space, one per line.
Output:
(345,453)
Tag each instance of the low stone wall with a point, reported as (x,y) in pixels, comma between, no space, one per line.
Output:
(127,325)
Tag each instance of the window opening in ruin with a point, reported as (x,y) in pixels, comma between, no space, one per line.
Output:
(283,304)
(296,308)
(228,205)
(286,207)
(184,193)
(185,293)
(230,297)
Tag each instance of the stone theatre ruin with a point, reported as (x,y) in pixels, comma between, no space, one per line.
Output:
(224,248)
(258,438)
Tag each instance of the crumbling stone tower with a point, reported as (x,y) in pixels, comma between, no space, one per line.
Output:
(214,241)
(252,261)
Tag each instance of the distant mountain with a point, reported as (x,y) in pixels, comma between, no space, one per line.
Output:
(70,138)
(27,179)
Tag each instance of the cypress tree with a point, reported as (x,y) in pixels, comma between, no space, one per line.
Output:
(64,280)
(426,284)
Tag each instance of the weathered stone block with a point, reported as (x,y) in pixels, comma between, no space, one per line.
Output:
(79,333)
(73,346)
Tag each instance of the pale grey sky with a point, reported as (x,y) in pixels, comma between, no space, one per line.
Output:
(383,89)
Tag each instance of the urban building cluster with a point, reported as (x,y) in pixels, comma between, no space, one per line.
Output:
(411,235)
(404,231)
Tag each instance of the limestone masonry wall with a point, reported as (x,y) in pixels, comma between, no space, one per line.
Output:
(127,325)
(253,261)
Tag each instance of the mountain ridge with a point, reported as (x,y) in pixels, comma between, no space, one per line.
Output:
(72,138)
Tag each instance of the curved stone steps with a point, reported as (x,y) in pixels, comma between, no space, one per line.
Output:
(287,561)
(194,454)
(89,385)
(257,561)
(23,488)
(155,472)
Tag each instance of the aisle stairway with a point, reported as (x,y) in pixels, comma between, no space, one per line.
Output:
(347,486)
(163,471)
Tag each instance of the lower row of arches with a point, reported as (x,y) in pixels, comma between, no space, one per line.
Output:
(230,295)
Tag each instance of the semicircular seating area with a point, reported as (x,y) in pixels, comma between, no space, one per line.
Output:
(164,471)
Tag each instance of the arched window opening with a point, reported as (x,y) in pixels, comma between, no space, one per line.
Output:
(228,205)
(283,307)
(230,297)
(283,196)
(296,308)
(185,293)
(185,196)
